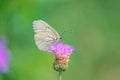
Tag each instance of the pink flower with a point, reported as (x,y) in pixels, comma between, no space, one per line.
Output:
(61,48)
(62,53)
(4,57)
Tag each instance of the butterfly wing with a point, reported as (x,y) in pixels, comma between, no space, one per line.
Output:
(45,35)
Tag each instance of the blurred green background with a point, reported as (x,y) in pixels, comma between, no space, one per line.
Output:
(91,26)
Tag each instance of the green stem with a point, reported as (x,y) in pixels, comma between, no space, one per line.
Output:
(60,75)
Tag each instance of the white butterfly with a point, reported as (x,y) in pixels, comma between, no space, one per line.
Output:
(45,35)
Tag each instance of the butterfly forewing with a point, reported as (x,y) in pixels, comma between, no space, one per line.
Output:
(45,35)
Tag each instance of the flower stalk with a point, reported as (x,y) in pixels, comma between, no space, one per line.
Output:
(60,76)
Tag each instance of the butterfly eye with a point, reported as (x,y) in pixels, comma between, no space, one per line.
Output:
(60,37)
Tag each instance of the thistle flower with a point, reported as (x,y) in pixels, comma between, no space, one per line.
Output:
(4,57)
(62,53)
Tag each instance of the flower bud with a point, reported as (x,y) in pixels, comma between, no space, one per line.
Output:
(61,62)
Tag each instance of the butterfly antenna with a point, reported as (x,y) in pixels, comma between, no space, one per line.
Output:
(70,31)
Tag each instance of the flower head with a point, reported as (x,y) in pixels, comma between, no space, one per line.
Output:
(4,57)
(61,48)
(62,53)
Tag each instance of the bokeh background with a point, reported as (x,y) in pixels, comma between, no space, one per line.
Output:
(91,26)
